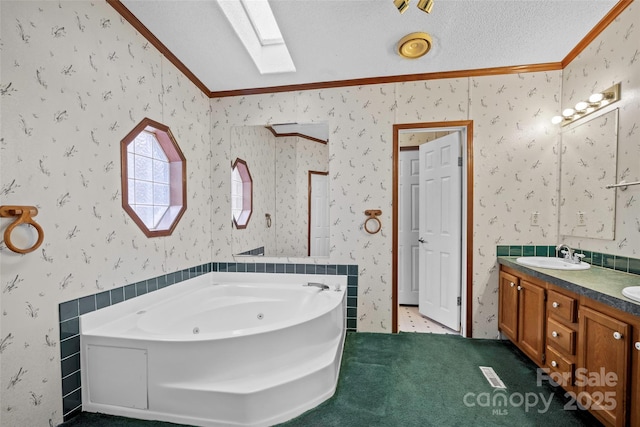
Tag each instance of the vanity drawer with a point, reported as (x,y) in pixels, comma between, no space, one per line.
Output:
(561,306)
(561,337)
(556,362)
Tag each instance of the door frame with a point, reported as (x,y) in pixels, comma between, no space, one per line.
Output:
(467,216)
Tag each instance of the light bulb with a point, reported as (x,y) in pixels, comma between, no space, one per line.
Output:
(595,98)
(569,112)
(581,106)
(556,120)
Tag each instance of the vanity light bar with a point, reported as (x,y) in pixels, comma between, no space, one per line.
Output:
(595,102)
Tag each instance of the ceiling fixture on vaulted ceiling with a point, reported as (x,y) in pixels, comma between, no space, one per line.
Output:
(414,45)
(256,26)
(402,5)
(423,5)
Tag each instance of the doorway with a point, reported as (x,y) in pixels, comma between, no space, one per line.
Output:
(443,247)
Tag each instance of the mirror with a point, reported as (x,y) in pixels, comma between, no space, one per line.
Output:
(285,161)
(588,162)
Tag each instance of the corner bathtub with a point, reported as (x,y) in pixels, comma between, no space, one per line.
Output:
(221,349)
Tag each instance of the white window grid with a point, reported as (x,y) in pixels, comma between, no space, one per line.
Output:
(149,178)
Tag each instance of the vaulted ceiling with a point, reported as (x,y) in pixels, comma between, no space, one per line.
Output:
(345,40)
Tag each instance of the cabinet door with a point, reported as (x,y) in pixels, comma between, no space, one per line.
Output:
(508,305)
(603,366)
(531,320)
(635,378)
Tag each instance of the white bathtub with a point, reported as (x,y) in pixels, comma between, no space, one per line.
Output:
(222,349)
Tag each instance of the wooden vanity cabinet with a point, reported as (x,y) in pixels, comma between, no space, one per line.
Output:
(634,409)
(562,335)
(594,345)
(531,320)
(508,305)
(608,355)
(521,314)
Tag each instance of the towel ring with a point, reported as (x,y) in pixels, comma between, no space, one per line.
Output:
(24,215)
(373,216)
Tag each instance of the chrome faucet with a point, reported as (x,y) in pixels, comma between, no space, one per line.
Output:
(569,254)
(322,286)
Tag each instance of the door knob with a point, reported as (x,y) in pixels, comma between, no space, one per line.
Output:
(637,345)
(617,335)
(421,240)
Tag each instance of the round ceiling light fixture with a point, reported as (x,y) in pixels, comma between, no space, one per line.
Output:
(414,45)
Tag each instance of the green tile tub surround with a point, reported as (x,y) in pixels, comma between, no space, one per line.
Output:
(69,311)
(612,262)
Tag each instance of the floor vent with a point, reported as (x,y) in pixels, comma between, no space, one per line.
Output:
(492,377)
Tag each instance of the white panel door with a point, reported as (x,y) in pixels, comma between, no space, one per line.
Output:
(440,230)
(319,215)
(408,227)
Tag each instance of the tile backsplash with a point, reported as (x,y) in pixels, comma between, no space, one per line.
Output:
(598,259)
(69,311)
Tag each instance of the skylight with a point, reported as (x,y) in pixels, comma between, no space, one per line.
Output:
(254,23)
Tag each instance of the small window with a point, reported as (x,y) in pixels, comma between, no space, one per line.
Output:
(241,193)
(153,178)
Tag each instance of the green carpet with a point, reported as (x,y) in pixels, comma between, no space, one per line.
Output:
(411,379)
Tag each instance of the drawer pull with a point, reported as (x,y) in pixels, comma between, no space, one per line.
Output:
(617,335)
(556,335)
(554,363)
(519,287)
(512,284)
(637,345)
(555,304)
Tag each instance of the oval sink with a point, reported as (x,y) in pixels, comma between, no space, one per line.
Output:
(632,292)
(551,263)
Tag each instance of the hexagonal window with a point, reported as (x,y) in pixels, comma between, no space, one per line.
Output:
(241,193)
(154,178)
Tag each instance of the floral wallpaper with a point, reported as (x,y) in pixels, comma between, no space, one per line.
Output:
(76,77)
(287,218)
(514,150)
(587,165)
(295,157)
(279,168)
(614,57)
(256,146)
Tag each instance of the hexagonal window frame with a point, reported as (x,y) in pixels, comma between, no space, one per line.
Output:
(241,194)
(172,206)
